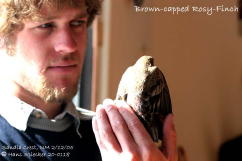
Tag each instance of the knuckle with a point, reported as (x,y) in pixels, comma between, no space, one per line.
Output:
(100,114)
(105,132)
(117,125)
(109,108)
(134,123)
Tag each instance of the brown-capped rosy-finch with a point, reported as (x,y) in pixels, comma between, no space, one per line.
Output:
(144,88)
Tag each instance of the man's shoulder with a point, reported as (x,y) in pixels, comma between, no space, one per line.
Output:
(7,132)
(3,122)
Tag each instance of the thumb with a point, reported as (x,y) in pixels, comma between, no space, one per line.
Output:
(169,139)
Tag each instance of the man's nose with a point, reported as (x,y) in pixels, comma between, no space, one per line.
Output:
(65,42)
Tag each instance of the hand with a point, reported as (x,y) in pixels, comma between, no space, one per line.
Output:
(122,137)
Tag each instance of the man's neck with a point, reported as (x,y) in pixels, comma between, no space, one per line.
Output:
(51,109)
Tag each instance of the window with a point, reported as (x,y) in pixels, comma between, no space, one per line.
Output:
(83,96)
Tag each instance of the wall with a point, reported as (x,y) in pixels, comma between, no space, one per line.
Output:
(200,56)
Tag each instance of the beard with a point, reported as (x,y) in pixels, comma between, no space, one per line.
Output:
(40,83)
(41,87)
(52,94)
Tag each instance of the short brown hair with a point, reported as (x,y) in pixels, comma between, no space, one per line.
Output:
(13,12)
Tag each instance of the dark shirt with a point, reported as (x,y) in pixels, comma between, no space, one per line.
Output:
(42,145)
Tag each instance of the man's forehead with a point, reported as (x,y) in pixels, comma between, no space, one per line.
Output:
(59,4)
(50,12)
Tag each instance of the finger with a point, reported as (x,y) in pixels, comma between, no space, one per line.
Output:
(140,135)
(96,133)
(169,138)
(136,128)
(120,128)
(105,131)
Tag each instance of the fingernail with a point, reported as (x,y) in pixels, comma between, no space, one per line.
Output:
(99,107)
(108,102)
(120,103)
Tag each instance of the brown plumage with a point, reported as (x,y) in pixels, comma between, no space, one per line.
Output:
(144,88)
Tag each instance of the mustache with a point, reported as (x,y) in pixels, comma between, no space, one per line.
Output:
(65,57)
(62,60)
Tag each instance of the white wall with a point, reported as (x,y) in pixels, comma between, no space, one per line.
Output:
(200,56)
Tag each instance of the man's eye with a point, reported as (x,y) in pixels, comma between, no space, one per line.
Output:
(46,25)
(78,23)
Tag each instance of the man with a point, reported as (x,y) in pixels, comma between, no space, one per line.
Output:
(42,50)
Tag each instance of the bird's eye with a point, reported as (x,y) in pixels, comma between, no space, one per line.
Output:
(125,97)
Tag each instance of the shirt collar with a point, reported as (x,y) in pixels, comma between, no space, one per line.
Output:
(17,112)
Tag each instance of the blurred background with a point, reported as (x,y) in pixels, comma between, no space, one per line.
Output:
(200,56)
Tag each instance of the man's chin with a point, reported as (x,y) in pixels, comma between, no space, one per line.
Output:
(54,95)
(54,91)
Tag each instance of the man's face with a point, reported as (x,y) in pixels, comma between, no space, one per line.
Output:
(49,54)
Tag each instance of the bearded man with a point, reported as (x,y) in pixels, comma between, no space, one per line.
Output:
(42,46)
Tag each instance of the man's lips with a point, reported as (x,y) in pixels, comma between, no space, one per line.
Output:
(63,68)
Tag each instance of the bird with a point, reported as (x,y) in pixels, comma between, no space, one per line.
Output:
(144,88)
